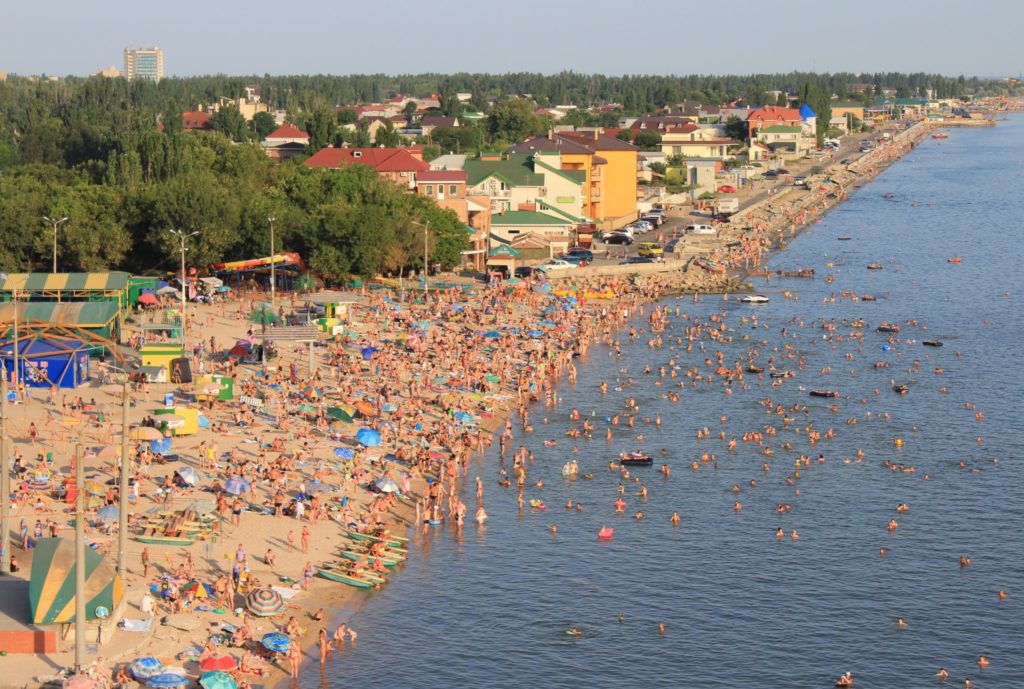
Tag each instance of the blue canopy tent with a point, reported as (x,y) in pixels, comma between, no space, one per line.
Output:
(43,362)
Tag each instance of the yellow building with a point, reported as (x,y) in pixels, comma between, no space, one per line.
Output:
(610,165)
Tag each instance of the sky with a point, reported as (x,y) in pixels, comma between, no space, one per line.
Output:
(952,37)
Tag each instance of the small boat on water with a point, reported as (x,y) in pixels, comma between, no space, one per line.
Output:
(900,388)
(843,238)
(940,135)
(931,343)
(636,459)
(867,297)
(823,393)
(953,259)
(780,374)
(888,328)
(754,369)
(875,266)
(754,299)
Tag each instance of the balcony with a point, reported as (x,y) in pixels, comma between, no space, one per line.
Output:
(595,172)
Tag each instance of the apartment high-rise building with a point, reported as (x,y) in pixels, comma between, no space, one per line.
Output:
(144,63)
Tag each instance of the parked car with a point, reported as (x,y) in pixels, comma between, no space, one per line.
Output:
(523,272)
(618,238)
(727,189)
(772,174)
(636,259)
(574,259)
(653,218)
(555,263)
(799,181)
(587,254)
(627,230)
(650,249)
(700,229)
(643,226)
(782,171)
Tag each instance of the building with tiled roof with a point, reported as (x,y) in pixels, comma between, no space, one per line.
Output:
(769,115)
(197,120)
(400,165)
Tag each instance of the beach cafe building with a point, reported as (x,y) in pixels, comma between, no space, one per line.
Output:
(106,288)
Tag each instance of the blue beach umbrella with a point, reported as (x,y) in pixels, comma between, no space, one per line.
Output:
(236,485)
(344,453)
(534,333)
(189,475)
(109,513)
(146,667)
(215,679)
(368,437)
(167,680)
(368,352)
(492,335)
(276,642)
(463,416)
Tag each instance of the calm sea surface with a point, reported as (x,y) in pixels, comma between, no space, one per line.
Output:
(489,607)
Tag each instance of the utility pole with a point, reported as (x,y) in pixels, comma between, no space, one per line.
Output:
(426,250)
(122,514)
(181,238)
(14,300)
(5,482)
(55,222)
(273,273)
(79,560)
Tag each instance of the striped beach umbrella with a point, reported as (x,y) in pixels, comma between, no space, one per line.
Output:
(276,642)
(167,680)
(217,680)
(236,485)
(95,488)
(146,667)
(51,588)
(264,602)
(342,413)
(201,589)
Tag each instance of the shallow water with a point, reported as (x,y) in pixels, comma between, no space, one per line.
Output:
(489,607)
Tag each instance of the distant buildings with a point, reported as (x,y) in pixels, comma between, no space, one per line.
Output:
(110,72)
(144,63)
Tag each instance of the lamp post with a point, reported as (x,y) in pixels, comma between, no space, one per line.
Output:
(55,223)
(180,234)
(14,300)
(426,250)
(79,560)
(273,273)
(5,480)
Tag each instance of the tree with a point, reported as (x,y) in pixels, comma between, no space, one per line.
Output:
(387,136)
(626,135)
(735,128)
(229,122)
(513,120)
(320,125)
(647,140)
(263,123)
(347,116)
(410,110)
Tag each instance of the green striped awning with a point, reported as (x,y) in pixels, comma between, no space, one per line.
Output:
(76,314)
(67,282)
(51,589)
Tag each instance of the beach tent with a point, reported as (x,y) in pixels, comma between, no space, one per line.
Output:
(51,590)
(44,361)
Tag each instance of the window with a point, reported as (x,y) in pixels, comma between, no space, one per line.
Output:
(452,190)
(430,190)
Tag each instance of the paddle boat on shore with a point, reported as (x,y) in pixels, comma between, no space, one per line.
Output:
(361,580)
(391,541)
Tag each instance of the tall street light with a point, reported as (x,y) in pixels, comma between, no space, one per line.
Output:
(273,273)
(180,234)
(426,250)
(55,223)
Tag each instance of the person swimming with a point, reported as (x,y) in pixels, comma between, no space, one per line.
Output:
(574,631)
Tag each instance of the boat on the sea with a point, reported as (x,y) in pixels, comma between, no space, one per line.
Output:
(953,259)
(801,273)
(940,135)
(754,299)
(888,328)
(875,266)
(781,374)
(636,459)
(867,297)
(754,369)
(842,238)
(823,393)
(900,388)
(931,343)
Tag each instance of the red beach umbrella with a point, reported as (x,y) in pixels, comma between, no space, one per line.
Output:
(224,663)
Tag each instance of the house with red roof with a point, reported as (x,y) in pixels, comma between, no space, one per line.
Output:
(400,165)
(287,141)
(771,115)
(196,120)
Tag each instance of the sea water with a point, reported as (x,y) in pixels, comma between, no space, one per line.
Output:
(489,607)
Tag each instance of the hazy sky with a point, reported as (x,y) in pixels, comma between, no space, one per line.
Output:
(972,37)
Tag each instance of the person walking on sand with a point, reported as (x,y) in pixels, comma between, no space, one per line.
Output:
(325,646)
(305,538)
(294,658)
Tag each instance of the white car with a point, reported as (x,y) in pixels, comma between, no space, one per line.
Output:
(643,225)
(555,264)
(700,229)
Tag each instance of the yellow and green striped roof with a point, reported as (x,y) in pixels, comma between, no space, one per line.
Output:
(51,589)
(65,282)
(75,314)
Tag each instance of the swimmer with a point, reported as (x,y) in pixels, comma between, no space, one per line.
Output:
(674,519)
(882,552)
(622,617)
(574,631)
(638,516)
(553,528)
(901,623)
(1001,595)
(942,674)
(661,629)
(982,662)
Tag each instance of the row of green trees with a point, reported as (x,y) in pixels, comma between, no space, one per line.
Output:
(342,222)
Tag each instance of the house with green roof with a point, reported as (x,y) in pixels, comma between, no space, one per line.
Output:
(783,140)
(553,232)
(515,180)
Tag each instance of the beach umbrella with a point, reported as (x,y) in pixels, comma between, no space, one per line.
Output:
(534,333)
(145,433)
(368,437)
(167,680)
(166,289)
(492,335)
(189,475)
(464,416)
(223,288)
(109,452)
(236,485)
(344,453)
(368,352)
(307,408)
(95,488)
(161,446)
(148,298)
(276,642)
(365,408)
(264,315)
(264,603)
(386,485)
(342,413)
(146,667)
(79,682)
(223,663)
(217,680)
(109,513)
(201,589)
